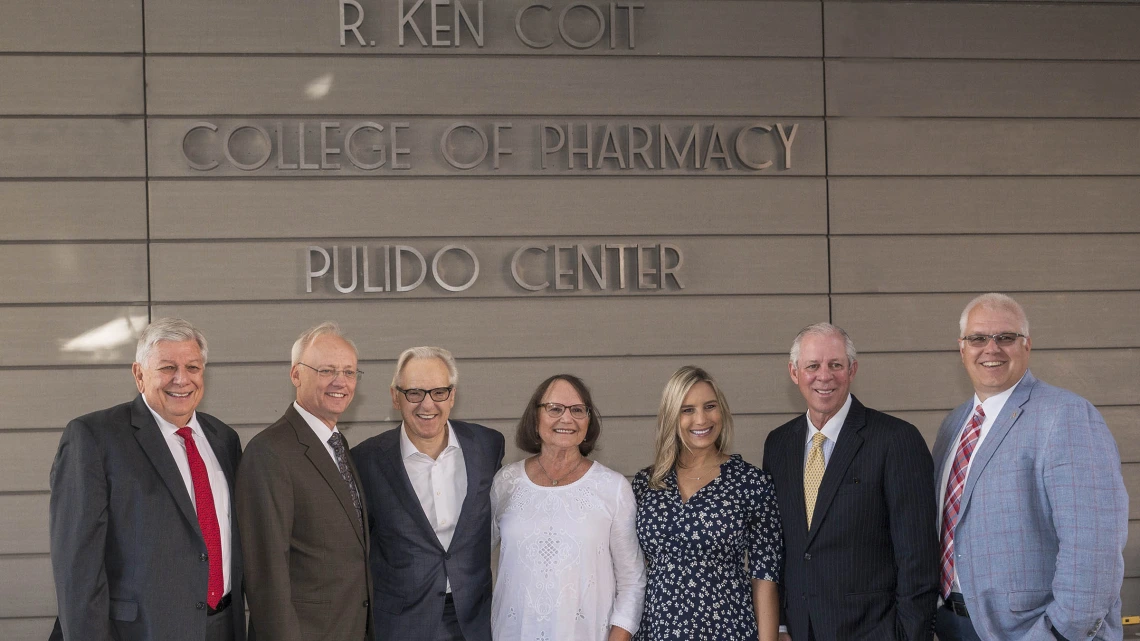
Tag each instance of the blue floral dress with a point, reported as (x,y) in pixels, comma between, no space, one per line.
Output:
(700,586)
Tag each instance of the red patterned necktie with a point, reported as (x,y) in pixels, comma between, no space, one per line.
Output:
(953,502)
(207,516)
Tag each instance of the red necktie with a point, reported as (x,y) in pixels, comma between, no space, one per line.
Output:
(207,516)
(953,503)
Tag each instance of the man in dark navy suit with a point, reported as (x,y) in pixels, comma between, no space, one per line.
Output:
(854,487)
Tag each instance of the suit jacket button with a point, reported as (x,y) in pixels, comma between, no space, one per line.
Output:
(807,556)
(203,557)
(366,604)
(200,605)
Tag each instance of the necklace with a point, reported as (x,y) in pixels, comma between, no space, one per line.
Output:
(703,475)
(556,481)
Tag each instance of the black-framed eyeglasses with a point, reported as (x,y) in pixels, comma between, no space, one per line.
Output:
(1004,339)
(416,395)
(556,410)
(326,373)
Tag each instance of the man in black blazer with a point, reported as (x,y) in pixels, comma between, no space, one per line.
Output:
(427,487)
(135,552)
(856,500)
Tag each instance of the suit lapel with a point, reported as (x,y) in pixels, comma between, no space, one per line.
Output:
(220,452)
(318,455)
(153,444)
(1000,429)
(947,440)
(794,484)
(846,447)
(393,469)
(473,460)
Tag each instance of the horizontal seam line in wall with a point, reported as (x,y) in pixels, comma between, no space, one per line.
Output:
(556,119)
(479,56)
(661,174)
(78,116)
(25,555)
(989,233)
(971,60)
(483,237)
(1132,175)
(25,492)
(1010,118)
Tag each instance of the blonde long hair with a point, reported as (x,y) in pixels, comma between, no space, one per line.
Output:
(668,444)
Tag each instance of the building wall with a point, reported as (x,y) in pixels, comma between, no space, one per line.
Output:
(944,149)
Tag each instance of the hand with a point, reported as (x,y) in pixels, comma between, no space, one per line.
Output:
(784,636)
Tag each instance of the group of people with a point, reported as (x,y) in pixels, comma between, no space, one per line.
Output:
(162,529)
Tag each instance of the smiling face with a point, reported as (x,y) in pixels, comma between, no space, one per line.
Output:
(565,431)
(171,380)
(823,375)
(700,421)
(324,398)
(994,369)
(425,422)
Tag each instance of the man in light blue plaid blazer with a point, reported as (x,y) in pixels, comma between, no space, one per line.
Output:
(1034,550)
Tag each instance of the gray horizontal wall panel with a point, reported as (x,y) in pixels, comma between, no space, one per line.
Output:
(922,322)
(74,273)
(1080,31)
(279,270)
(913,147)
(982,205)
(359,146)
(107,26)
(460,206)
(27,458)
(500,388)
(514,328)
(55,335)
(866,264)
(34,594)
(515,86)
(60,210)
(71,148)
(67,85)
(1132,551)
(936,380)
(880,88)
(1131,472)
(24,528)
(662,27)
(33,398)
(26,629)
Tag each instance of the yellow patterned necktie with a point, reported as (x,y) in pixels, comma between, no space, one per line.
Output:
(813,474)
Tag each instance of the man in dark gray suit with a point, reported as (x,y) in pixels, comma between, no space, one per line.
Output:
(299,503)
(144,544)
(427,485)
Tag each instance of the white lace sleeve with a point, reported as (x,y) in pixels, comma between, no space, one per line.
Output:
(628,562)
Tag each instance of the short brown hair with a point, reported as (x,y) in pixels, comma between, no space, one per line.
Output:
(526,434)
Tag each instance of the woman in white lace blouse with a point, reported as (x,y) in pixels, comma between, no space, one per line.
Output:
(570,568)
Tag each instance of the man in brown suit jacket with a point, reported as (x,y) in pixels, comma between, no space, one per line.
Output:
(299,505)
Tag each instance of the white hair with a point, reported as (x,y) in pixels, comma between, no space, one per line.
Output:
(413,353)
(821,329)
(995,301)
(168,329)
(327,328)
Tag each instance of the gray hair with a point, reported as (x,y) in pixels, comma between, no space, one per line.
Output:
(327,328)
(168,329)
(821,329)
(995,301)
(413,353)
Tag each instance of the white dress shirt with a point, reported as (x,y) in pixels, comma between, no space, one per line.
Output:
(324,434)
(440,483)
(830,429)
(219,486)
(992,406)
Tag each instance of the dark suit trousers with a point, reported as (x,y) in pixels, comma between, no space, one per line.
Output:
(220,627)
(448,629)
(951,627)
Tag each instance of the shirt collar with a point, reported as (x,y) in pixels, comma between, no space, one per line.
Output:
(833,425)
(408,449)
(317,425)
(994,404)
(170,428)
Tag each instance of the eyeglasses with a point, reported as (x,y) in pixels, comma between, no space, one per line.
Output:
(416,395)
(556,410)
(326,373)
(1005,339)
